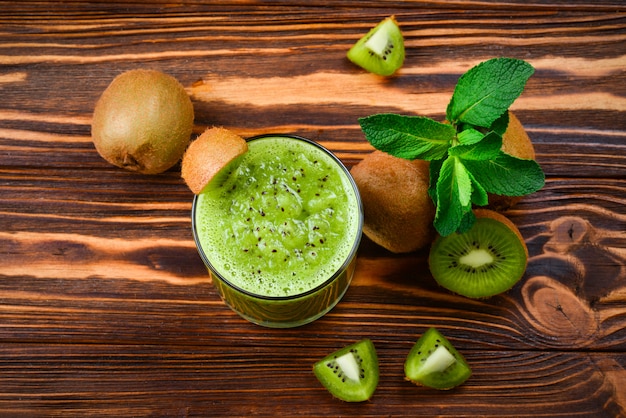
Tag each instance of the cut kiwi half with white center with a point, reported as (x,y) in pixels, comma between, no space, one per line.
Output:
(381,50)
(351,373)
(435,363)
(486,260)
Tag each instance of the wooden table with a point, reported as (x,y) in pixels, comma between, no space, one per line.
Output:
(106,309)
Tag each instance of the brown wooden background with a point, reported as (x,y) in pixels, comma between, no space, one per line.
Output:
(106,309)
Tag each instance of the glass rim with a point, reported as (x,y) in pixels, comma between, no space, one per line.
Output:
(335,275)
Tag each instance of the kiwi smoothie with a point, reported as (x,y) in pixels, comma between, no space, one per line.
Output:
(279,229)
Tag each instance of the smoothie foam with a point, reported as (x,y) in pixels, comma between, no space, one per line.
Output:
(280,220)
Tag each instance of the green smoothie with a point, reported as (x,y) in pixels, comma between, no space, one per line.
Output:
(279,229)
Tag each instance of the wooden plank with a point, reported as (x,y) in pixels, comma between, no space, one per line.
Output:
(106,308)
(153,380)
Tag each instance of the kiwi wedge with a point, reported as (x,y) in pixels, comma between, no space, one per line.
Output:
(351,373)
(381,50)
(486,260)
(435,363)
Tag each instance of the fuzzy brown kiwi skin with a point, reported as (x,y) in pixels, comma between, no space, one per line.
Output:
(398,212)
(492,214)
(208,154)
(143,121)
(517,143)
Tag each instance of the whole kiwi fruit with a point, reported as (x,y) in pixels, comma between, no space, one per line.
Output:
(398,212)
(143,121)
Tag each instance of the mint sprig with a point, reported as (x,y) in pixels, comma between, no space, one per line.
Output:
(466,160)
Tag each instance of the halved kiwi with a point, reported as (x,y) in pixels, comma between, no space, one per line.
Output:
(208,155)
(486,260)
(381,50)
(435,363)
(351,373)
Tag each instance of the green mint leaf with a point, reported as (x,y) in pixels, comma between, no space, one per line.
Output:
(487,90)
(408,137)
(507,175)
(434,168)
(487,148)
(454,192)
(479,194)
(469,136)
(467,221)
(499,125)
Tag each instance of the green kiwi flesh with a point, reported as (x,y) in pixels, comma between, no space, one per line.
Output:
(435,363)
(486,260)
(381,50)
(351,373)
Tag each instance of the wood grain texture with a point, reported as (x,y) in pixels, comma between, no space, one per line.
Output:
(106,309)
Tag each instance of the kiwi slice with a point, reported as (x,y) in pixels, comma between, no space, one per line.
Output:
(351,373)
(381,50)
(486,260)
(435,363)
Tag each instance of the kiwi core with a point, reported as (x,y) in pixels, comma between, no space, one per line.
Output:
(477,258)
(349,365)
(380,40)
(438,361)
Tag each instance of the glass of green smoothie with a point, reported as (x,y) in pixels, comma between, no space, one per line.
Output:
(279,229)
